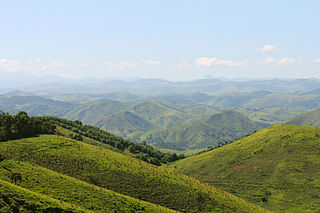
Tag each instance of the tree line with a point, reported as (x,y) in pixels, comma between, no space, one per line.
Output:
(141,151)
(22,125)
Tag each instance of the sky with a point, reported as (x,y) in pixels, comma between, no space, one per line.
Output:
(175,40)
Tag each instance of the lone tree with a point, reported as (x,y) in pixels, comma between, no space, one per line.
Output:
(15,177)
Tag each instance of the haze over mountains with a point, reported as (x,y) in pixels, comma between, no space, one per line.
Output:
(170,115)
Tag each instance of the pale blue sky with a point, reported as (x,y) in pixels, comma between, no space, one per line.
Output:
(174,40)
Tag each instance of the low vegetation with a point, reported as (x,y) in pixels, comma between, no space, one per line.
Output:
(122,174)
(73,191)
(138,150)
(277,168)
(17,199)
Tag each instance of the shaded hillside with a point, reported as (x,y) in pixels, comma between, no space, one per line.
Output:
(277,168)
(311,118)
(122,174)
(75,192)
(221,127)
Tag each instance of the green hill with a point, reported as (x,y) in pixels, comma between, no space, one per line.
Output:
(34,105)
(221,127)
(124,123)
(311,118)
(14,198)
(75,192)
(277,168)
(90,112)
(121,173)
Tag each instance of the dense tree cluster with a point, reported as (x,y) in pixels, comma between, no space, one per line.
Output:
(142,151)
(21,126)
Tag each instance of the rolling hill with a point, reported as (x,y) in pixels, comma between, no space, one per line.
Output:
(34,105)
(90,112)
(277,168)
(311,118)
(124,123)
(113,171)
(56,186)
(220,127)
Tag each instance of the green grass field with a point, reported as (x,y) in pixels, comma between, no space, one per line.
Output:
(277,168)
(74,191)
(17,199)
(122,174)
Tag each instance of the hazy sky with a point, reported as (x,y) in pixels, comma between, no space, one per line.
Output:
(175,40)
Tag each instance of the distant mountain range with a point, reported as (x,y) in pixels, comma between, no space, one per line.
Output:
(174,121)
(51,84)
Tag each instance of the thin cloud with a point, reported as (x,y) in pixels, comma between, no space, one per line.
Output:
(59,64)
(147,61)
(316,60)
(7,65)
(285,61)
(208,62)
(183,65)
(121,65)
(267,48)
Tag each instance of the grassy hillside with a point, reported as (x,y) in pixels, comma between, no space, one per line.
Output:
(101,138)
(277,168)
(73,191)
(17,199)
(225,126)
(122,174)
(124,123)
(90,112)
(311,118)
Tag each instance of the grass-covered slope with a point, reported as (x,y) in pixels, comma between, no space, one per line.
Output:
(94,135)
(277,168)
(311,118)
(124,123)
(14,198)
(90,112)
(123,174)
(73,191)
(220,127)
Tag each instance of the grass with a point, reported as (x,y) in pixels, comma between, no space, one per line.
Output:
(74,191)
(199,134)
(17,199)
(277,168)
(123,174)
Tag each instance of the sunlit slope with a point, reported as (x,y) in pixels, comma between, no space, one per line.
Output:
(90,112)
(220,127)
(74,191)
(123,174)
(17,199)
(277,168)
(311,118)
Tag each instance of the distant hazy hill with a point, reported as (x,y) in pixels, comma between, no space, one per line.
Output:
(277,168)
(92,177)
(225,126)
(158,86)
(311,118)
(34,105)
